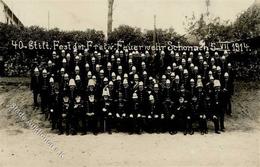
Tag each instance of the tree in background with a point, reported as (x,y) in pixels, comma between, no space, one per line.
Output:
(247,25)
(128,34)
(133,35)
(163,36)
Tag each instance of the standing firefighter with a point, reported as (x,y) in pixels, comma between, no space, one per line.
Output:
(106,114)
(226,94)
(66,107)
(201,112)
(72,114)
(79,118)
(132,115)
(92,108)
(218,114)
(36,86)
(44,91)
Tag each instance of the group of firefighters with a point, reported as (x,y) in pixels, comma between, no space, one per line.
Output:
(134,91)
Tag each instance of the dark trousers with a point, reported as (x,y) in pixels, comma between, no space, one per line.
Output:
(67,123)
(173,125)
(188,125)
(82,123)
(109,124)
(92,124)
(216,123)
(203,124)
(35,97)
(44,101)
(228,107)
(221,120)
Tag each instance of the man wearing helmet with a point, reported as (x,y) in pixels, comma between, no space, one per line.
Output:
(44,90)
(35,86)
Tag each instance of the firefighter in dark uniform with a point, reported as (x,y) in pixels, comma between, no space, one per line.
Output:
(150,114)
(66,107)
(208,105)
(202,115)
(36,86)
(51,103)
(72,114)
(92,108)
(79,86)
(126,98)
(157,108)
(44,91)
(65,83)
(57,116)
(168,106)
(216,106)
(132,115)
(107,110)
(79,120)
(119,110)
(143,101)
(172,116)
(181,110)
(226,94)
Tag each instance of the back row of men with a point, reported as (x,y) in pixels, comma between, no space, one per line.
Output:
(134,92)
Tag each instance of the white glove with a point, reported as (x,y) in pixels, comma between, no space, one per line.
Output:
(123,115)
(173,116)
(63,115)
(117,115)
(156,116)
(204,116)
(162,116)
(109,113)
(149,117)
(138,115)
(131,116)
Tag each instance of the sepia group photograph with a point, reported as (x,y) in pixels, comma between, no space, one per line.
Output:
(130,83)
